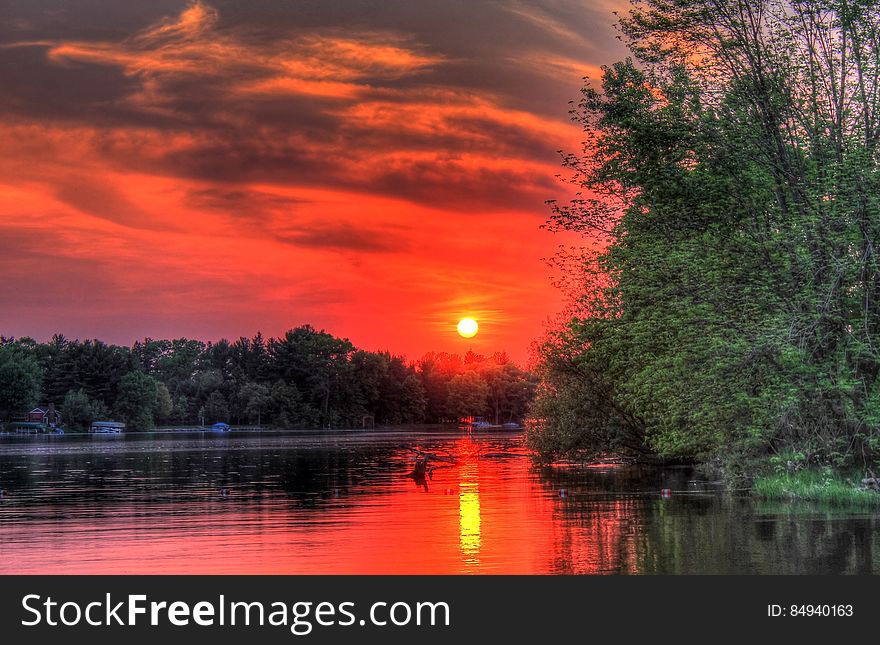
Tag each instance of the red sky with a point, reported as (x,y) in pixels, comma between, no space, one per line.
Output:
(212,169)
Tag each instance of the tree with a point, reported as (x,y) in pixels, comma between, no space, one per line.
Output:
(285,404)
(77,411)
(181,412)
(468,394)
(510,390)
(315,362)
(215,408)
(576,407)
(137,400)
(253,398)
(20,378)
(91,365)
(413,402)
(731,172)
(435,371)
(178,364)
(305,379)
(164,405)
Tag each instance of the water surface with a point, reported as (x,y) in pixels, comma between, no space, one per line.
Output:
(342,503)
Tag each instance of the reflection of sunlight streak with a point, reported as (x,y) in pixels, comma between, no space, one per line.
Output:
(469,515)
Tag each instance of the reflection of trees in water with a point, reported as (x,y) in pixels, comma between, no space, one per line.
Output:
(155,473)
(820,540)
(611,527)
(309,477)
(611,520)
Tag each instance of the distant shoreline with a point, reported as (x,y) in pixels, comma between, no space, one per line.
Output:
(172,430)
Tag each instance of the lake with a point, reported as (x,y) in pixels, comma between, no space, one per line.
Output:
(342,503)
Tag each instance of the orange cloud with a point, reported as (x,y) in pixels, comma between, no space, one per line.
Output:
(214,178)
(191,45)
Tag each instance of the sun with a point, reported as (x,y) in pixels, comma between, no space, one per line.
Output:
(468,328)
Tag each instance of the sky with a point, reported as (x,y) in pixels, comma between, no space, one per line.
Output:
(212,169)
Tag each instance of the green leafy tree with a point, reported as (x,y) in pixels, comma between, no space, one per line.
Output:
(435,371)
(510,390)
(216,408)
(468,395)
(316,363)
(20,379)
(77,411)
(181,412)
(137,400)
(90,365)
(414,402)
(731,173)
(306,378)
(254,398)
(164,405)
(286,407)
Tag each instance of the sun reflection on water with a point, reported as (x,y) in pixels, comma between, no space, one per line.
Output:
(469,515)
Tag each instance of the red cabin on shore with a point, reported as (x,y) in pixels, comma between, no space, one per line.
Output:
(47,416)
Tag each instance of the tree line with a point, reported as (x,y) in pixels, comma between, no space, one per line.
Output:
(303,379)
(730,178)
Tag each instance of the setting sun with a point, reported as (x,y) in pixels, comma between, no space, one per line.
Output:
(468,328)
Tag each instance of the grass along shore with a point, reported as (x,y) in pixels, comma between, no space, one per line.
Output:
(816,485)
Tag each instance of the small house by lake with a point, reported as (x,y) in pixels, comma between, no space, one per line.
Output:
(47,416)
(107,427)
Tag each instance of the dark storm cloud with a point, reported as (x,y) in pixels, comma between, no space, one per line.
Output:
(344,237)
(104,201)
(34,88)
(476,34)
(242,202)
(79,19)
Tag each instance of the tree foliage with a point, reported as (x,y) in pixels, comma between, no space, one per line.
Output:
(20,376)
(730,174)
(137,400)
(467,395)
(80,411)
(304,379)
